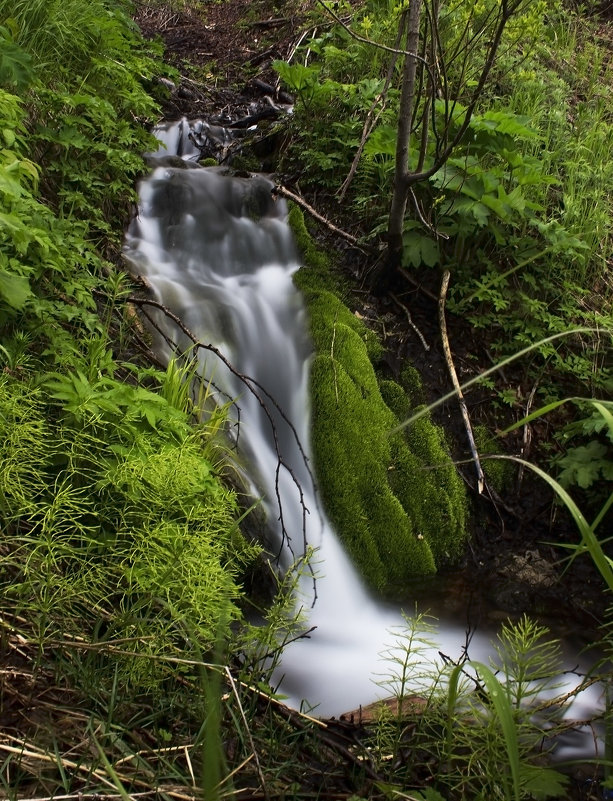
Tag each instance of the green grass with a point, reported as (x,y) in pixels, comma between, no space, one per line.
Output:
(565,90)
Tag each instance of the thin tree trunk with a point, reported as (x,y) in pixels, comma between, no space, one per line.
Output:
(403,140)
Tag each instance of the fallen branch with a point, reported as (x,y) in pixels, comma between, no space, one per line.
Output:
(410,321)
(456,383)
(281,190)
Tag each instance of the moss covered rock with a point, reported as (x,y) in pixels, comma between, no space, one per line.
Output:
(392,493)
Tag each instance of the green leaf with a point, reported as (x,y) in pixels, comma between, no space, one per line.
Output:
(497,206)
(429,252)
(15,63)
(506,123)
(481,213)
(501,704)
(297,76)
(429,794)
(606,415)
(582,464)
(14,289)
(542,783)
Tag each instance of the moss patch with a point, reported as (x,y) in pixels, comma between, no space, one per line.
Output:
(318,274)
(498,472)
(393,496)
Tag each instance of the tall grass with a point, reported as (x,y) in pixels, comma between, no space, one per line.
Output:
(67,32)
(565,89)
(590,542)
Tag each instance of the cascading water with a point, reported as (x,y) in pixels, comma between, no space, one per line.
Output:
(216,251)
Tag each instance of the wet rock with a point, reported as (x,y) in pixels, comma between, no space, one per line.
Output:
(524,581)
(530,569)
(170,161)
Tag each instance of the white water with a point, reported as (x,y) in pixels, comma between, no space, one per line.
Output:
(229,279)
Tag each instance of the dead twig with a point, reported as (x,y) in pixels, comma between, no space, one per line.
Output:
(410,321)
(371,119)
(456,383)
(264,399)
(527,436)
(281,190)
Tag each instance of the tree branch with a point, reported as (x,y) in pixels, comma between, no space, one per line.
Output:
(456,383)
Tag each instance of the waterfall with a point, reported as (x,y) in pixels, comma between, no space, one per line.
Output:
(217,251)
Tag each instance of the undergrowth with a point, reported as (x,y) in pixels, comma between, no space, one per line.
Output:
(126,666)
(122,560)
(519,214)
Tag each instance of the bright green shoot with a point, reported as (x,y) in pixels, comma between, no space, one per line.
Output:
(501,704)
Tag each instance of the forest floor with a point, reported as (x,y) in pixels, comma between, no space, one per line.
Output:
(223,53)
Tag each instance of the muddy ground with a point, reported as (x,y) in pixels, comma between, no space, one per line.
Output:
(223,54)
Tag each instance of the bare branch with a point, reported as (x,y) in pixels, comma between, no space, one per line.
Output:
(281,190)
(456,383)
(370,122)
(264,398)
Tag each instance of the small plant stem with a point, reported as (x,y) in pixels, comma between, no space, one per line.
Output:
(527,438)
(249,736)
(456,383)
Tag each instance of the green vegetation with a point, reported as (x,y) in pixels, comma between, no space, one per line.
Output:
(127,668)
(487,726)
(122,562)
(520,212)
(396,500)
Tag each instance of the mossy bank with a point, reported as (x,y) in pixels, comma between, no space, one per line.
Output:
(392,493)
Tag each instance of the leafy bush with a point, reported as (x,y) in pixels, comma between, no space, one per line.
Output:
(484,731)
(116,523)
(131,525)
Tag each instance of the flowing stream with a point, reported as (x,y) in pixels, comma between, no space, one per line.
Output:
(216,250)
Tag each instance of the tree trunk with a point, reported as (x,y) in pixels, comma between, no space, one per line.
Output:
(403,139)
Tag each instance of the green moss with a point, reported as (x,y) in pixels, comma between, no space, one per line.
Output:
(396,516)
(412,384)
(246,162)
(312,257)
(396,398)
(423,476)
(498,472)
(210,162)
(395,499)
(352,455)
(316,273)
